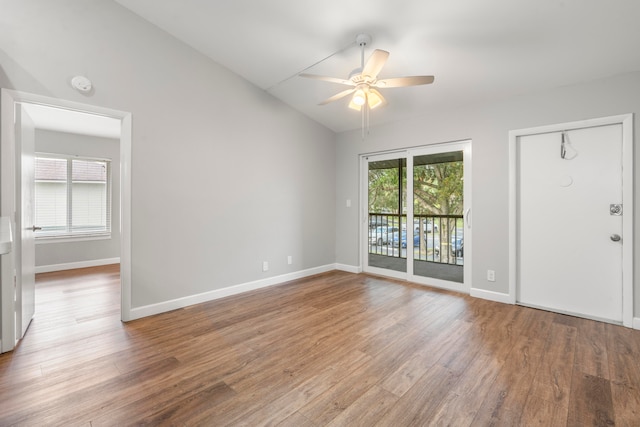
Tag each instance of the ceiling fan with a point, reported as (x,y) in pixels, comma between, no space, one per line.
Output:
(364,80)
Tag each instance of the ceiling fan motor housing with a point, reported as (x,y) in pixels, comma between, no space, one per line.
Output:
(355,73)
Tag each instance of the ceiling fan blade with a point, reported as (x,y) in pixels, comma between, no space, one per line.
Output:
(404,81)
(337,96)
(327,79)
(375,63)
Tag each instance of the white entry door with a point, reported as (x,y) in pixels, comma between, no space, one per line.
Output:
(570,215)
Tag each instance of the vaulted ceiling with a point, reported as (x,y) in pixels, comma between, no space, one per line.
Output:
(478,51)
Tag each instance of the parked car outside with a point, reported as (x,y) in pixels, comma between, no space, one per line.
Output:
(403,239)
(430,242)
(378,221)
(428,226)
(457,245)
(382,235)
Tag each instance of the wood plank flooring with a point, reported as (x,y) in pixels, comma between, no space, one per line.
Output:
(336,349)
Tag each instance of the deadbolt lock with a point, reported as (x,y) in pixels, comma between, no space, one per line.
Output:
(615,209)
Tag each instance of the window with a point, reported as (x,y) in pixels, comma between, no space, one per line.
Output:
(72,196)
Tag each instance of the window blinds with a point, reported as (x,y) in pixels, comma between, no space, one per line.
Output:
(72,196)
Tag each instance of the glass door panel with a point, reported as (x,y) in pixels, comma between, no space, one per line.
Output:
(387,213)
(438,222)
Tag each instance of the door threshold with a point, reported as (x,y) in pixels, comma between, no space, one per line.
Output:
(570,313)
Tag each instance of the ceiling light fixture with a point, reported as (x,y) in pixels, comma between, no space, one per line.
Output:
(359,98)
(374,99)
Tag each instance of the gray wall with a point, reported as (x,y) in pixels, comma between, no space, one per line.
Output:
(487,126)
(85,146)
(224,176)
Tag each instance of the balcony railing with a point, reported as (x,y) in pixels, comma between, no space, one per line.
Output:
(436,238)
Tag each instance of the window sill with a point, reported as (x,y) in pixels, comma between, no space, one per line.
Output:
(43,240)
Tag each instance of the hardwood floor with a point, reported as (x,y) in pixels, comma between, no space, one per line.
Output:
(336,349)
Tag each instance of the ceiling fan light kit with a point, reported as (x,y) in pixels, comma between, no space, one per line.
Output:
(359,98)
(364,80)
(365,96)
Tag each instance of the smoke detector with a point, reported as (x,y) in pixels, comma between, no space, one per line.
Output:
(81,83)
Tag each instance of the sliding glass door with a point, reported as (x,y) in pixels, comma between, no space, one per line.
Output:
(438,202)
(386,213)
(422,240)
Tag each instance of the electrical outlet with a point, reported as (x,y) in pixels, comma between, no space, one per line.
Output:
(491,275)
(348,203)
(265,266)
(289,260)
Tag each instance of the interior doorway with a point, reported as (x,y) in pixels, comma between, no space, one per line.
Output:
(416,217)
(14,298)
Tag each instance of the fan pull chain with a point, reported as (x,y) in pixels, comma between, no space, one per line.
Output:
(368,111)
(365,118)
(363,108)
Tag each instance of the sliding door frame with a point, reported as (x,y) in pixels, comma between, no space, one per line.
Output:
(409,154)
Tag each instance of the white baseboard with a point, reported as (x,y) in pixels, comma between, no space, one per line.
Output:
(491,295)
(149,310)
(636,323)
(349,268)
(74,265)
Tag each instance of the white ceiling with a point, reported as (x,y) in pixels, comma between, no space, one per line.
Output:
(479,51)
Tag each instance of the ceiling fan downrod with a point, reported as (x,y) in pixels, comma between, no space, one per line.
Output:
(362,40)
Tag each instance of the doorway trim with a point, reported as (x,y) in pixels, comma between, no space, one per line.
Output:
(626,120)
(9,185)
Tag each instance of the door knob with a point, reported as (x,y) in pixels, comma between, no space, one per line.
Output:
(615,237)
